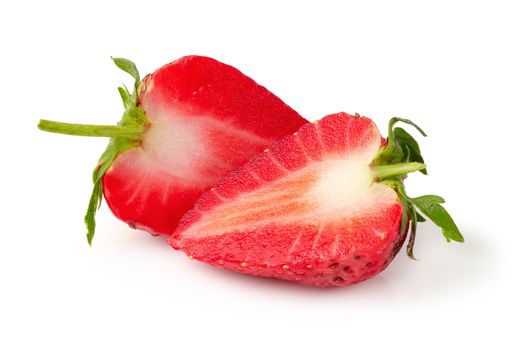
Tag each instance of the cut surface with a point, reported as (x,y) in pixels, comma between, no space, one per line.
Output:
(206,118)
(309,202)
(198,149)
(338,189)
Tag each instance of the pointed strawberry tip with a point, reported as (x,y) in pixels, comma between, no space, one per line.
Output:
(174,242)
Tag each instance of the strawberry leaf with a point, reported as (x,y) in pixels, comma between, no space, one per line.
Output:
(430,206)
(128,67)
(125,96)
(116,145)
(410,146)
(401,146)
(401,156)
(393,121)
(406,213)
(94,204)
(127,134)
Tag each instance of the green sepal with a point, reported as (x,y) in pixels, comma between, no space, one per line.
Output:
(400,156)
(431,207)
(401,146)
(116,145)
(128,67)
(420,218)
(133,118)
(395,120)
(406,213)
(124,136)
(410,147)
(125,96)
(94,203)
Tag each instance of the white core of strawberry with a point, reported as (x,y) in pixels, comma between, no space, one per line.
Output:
(198,150)
(327,189)
(348,187)
(176,143)
(341,183)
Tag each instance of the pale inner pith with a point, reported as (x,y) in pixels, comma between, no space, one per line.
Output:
(331,188)
(197,149)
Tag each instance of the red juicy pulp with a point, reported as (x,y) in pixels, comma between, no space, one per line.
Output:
(206,118)
(257,220)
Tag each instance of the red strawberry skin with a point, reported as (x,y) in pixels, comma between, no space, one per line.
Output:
(205,119)
(269,218)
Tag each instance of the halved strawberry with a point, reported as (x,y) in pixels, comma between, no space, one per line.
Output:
(184,127)
(324,206)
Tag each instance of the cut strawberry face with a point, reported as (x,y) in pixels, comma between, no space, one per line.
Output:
(185,126)
(315,208)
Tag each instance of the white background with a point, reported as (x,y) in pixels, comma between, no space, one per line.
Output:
(455,67)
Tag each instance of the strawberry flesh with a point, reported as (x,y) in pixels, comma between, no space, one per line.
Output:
(205,119)
(308,209)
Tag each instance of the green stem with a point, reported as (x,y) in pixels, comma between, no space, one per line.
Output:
(385,171)
(90,130)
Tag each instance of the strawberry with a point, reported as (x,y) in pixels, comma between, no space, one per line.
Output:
(184,127)
(325,206)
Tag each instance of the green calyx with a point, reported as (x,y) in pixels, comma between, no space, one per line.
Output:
(401,156)
(125,135)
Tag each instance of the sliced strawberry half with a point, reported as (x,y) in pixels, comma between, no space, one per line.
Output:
(185,126)
(324,206)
